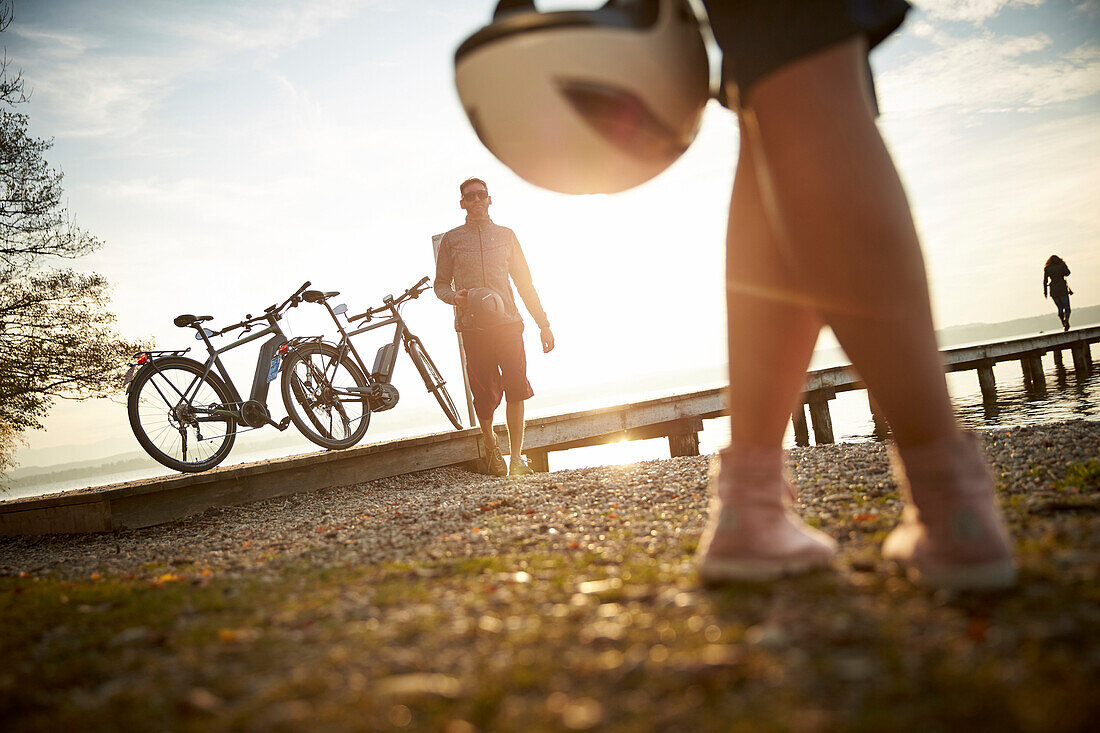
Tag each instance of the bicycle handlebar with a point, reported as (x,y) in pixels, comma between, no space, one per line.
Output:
(389,301)
(270,311)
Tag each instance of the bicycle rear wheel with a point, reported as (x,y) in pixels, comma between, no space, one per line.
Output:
(433,381)
(180,414)
(317,391)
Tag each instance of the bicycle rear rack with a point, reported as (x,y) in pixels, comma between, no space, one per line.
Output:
(162,352)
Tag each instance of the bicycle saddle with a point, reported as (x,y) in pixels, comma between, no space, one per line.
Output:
(189,320)
(316,296)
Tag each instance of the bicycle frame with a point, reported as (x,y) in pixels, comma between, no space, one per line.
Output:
(387,354)
(260,382)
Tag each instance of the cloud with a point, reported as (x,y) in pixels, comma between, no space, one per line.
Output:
(971,11)
(104,84)
(987,72)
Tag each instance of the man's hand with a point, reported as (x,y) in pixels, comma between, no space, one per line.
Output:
(460,298)
(547,338)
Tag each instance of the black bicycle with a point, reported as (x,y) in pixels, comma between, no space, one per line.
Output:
(184,413)
(327,386)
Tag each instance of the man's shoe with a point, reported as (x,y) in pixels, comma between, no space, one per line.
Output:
(494,463)
(951,534)
(519,467)
(750,534)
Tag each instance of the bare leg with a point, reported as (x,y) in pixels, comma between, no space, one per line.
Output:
(487,433)
(494,461)
(514,414)
(750,534)
(827,177)
(832,191)
(771,330)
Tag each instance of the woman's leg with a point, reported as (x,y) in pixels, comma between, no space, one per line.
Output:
(826,176)
(771,330)
(848,231)
(750,535)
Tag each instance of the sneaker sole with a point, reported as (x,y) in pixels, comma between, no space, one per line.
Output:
(984,576)
(757,571)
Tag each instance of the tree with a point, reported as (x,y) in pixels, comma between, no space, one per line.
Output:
(56,338)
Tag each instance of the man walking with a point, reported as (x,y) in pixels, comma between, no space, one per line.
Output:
(478,258)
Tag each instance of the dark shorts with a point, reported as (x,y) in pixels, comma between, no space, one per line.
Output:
(760,36)
(497,365)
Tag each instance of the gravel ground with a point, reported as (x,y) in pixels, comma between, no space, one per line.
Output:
(449,601)
(450,513)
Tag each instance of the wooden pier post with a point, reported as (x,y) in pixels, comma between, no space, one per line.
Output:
(1058,359)
(1082,360)
(801,430)
(820,417)
(1025,367)
(683,444)
(882,428)
(1035,364)
(683,437)
(987,382)
(539,460)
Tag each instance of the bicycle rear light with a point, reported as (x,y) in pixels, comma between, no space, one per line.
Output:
(283,350)
(142,359)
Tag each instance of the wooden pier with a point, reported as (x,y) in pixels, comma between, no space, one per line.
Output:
(824,384)
(679,418)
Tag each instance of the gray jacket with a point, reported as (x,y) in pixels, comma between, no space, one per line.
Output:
(482,254)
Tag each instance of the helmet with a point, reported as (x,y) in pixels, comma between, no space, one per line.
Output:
(593,101)
(486,308)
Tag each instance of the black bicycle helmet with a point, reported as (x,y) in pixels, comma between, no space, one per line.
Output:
(486,308)
(593,101)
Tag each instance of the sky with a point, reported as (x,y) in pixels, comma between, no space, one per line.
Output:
(225,152)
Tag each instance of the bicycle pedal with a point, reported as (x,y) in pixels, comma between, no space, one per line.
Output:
(284,423)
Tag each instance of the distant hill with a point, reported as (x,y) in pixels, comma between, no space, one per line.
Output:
(976,332)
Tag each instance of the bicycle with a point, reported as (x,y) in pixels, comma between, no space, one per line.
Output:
(184,413)
(317,377)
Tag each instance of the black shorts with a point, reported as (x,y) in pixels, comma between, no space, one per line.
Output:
(760,36)
(496,365)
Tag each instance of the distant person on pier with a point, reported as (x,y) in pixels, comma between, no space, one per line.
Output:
(1055,273)
(820,233)
(479,257)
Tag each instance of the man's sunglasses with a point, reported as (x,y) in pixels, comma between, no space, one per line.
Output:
(469,196)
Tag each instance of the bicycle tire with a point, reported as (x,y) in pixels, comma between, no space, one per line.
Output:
(312,400)
(433,380)
(159,412)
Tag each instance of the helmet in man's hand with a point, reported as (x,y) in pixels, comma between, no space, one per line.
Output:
(486,308)
(593,101)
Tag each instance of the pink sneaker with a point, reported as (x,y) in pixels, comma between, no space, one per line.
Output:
(750,534)
(951,534)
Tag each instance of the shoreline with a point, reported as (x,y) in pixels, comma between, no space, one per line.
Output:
(436,515)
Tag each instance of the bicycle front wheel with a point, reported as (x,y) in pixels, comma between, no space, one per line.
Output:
(181,415)
(433,381)
(325,395)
